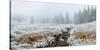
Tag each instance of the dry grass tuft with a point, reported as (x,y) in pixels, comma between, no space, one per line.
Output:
(85,35)
(31,38)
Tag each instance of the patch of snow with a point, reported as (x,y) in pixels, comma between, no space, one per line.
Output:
(87,27)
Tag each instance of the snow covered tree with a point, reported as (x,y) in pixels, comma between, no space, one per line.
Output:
(85,16)
(58,19)
(67,19)
(31,20)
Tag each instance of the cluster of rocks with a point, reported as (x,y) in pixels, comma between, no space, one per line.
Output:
(61,39)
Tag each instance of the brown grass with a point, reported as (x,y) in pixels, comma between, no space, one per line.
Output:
(31,38)
(85,35)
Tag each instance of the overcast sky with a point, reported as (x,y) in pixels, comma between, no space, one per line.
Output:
(43,9)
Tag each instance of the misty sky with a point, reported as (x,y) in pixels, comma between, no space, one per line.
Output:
(43,10)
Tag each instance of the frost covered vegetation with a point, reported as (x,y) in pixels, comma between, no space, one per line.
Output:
(48,26)
(53,36)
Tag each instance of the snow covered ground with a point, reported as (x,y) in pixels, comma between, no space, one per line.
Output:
(83,34)
(22,35)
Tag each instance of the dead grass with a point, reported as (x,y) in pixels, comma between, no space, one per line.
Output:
(30,38)
(85,35)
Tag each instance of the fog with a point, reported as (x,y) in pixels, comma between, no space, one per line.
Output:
(40,11)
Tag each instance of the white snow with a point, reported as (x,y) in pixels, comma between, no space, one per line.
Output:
(28,29)
(87,27)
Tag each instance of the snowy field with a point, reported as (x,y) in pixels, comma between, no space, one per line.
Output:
(26,36)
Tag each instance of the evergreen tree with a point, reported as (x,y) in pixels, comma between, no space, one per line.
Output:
(32,20)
